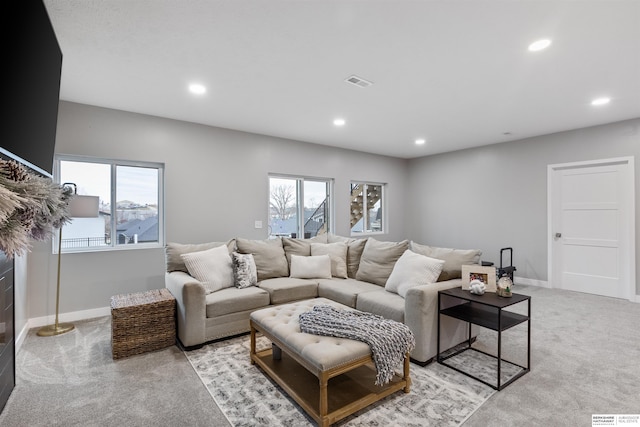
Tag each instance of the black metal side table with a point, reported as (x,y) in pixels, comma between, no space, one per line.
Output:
(486,311)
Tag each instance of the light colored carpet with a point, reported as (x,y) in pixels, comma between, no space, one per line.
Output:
(585,353)
(439,396)
(585,359)
(71,380)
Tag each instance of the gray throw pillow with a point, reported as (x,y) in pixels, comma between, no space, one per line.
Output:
(245,273)
(378,260)
(453,259)
(268,255)
(301,247)
(296,247)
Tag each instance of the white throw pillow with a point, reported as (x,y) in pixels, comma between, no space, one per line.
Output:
(338,254)
(212,267)
(412,270)
(311,267)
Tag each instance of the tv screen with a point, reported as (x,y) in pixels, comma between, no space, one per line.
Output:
(33,62)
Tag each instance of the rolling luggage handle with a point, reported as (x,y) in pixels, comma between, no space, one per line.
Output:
(506,270)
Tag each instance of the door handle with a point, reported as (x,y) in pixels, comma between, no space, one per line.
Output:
(558,235)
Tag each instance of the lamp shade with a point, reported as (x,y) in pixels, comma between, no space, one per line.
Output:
(84,206)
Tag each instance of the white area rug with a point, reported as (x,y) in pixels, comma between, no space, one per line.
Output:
(439,395)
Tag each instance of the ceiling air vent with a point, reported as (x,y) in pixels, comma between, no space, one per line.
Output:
(357,81)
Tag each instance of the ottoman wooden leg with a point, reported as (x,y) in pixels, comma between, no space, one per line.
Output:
(252,350)
(324,406)
(407,387)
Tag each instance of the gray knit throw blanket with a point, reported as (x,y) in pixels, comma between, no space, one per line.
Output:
(389,340)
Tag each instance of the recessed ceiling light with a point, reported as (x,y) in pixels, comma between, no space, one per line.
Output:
(420,141)
(539,45)
(197,89)
(339,122)
(600,101)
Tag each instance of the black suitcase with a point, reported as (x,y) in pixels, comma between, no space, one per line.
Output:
(508,270)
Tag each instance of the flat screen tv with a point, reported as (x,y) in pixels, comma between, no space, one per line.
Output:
(32,64)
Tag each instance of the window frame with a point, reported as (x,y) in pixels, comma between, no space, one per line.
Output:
(299,191)
(383,205)
(114,163)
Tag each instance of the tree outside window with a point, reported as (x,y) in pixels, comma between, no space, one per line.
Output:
(299,207)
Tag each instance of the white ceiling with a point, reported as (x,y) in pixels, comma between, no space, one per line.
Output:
(457,73)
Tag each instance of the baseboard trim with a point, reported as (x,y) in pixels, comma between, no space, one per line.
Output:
(531,282)
(21,336)
(73,316)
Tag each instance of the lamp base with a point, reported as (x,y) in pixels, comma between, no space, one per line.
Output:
(52,330)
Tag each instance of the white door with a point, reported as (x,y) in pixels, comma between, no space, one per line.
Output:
(592,228)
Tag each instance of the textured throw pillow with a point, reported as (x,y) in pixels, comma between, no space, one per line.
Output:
(174,261)
(212,267)
(311,267)
(244,270)
(454,259)
(268,255)
(338,254)
(354,252)
(411,270)
(378,259)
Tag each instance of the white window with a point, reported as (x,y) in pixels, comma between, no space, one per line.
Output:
(299,207)
(366,213)
(129,203)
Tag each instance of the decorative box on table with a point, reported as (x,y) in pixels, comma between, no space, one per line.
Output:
(141,322)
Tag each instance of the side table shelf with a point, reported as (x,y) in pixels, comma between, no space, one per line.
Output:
(488,312)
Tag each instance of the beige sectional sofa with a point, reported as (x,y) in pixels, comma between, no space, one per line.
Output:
(384,278)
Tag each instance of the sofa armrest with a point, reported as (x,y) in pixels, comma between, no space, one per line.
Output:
(421,316)
(191,306)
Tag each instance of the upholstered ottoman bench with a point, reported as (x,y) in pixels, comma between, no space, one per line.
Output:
(296,360)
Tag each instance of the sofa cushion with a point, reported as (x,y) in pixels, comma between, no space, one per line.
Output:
(295,247)
(320,238)
(174,261)
(268,255)
(286,289)
(245,273)
(412,270)
(378,259)
(212,267)
(382,303)
(354,252)
(311,267)
(454,259)
(300,247)
(233,300)
(344,291)
(337,252)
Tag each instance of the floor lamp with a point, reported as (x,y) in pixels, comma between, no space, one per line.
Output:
(79,207)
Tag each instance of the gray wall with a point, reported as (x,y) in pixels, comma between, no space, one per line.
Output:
(496,196)
(216,186)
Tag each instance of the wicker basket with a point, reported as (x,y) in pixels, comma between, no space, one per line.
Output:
(142,322)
